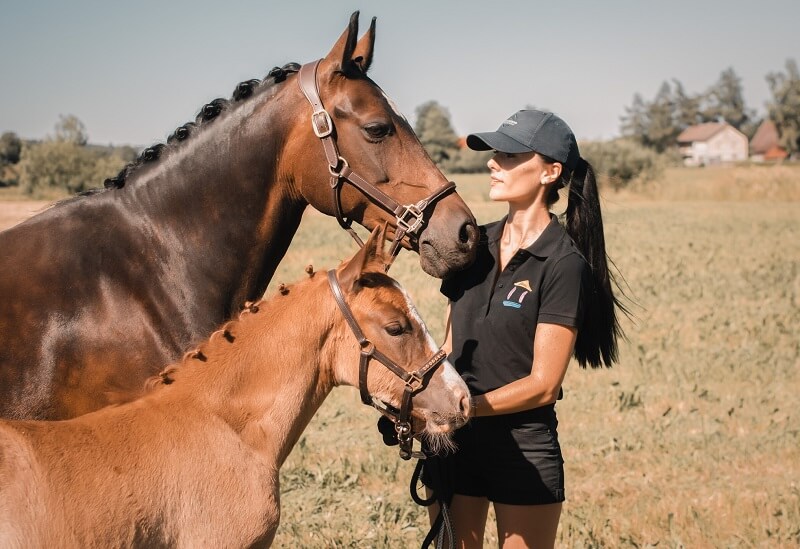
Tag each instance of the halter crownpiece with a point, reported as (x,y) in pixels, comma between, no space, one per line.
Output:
(414,381)
(409,219)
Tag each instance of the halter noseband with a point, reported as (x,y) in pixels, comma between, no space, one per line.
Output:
(409,219)
(414,381)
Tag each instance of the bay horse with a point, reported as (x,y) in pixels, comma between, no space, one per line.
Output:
(101,288)
(195,462)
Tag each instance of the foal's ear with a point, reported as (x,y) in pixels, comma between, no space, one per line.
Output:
(371,258)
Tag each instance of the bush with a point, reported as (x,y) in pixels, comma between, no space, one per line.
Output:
(467,161)
(59,164)
(621,162)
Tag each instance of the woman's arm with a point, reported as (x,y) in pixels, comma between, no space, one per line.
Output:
(448,333)
(552,349)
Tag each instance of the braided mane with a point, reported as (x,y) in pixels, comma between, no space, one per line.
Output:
(207,114)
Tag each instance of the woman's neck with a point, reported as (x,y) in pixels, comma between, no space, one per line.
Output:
(523,227)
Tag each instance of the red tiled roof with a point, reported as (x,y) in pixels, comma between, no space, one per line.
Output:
(701,132)
(765,138)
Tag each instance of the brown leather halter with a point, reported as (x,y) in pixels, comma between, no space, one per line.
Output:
(409,219)
(415,381)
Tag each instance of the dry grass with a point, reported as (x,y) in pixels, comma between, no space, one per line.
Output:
(747,182)
(693,440)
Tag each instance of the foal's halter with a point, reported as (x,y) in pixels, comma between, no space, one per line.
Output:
(409,219)
(415,381)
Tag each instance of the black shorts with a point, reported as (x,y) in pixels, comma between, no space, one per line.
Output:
(504,460)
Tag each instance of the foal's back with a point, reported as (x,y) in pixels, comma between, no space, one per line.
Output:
(150,494)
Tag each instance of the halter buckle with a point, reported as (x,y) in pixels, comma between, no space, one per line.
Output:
(410,219)
(322,124)
(414,382)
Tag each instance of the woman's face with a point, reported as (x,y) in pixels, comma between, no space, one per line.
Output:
(520,178)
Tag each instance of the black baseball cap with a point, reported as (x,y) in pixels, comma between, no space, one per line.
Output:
(531,131)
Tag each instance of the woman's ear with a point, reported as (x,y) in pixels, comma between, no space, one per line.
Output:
(551,173)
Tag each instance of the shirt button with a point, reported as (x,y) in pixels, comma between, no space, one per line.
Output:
(500,285)
(511,268)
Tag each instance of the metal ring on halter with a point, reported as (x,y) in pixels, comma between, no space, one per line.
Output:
(343,163)
(367,347)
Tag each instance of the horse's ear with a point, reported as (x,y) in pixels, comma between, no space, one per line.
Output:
(371,258)
(341,53)
(362,56)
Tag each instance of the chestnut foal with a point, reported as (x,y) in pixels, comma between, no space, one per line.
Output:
(195,461)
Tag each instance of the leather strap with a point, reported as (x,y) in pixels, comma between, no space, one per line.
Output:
(409,218)
(414,381)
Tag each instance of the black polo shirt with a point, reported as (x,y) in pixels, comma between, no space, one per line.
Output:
(494,315)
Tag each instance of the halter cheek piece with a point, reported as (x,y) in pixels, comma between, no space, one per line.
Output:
(414,381)
(409,219)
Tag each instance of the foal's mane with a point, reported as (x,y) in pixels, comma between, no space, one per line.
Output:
(207,114)
(228,332)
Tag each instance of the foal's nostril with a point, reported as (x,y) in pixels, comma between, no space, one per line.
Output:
(464,405)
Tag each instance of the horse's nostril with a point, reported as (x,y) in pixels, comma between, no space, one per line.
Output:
(468,233)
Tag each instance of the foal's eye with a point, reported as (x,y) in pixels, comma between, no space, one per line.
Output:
(377,130)
(394,329)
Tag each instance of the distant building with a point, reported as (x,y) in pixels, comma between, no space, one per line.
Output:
(765,145)
(712,143)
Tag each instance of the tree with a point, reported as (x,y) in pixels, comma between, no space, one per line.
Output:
(661,131)
(634,122)
(64,161)
(72,130)
(784,109)
(688,108)
(725,101)
(10,148)
(435,132)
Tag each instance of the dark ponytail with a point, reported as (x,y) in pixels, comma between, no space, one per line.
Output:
(597,336)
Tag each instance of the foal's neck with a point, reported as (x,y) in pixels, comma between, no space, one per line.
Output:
(266,374)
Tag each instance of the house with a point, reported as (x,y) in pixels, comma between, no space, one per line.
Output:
(765,145)
(712,143)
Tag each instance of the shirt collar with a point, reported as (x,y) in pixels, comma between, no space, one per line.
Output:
(544,246)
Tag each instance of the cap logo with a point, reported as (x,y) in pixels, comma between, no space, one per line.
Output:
(509,122)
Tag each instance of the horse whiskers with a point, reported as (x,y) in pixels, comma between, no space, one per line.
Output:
(438,443)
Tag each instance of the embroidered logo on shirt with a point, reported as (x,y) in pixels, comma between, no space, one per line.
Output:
(524,287)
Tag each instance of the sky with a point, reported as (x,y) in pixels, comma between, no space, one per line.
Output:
(133,71)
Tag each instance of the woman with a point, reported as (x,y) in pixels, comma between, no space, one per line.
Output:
(537,294)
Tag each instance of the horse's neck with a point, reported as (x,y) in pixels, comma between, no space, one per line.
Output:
(268,375)
(218,207)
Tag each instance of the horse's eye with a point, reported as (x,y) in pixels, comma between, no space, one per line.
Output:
(377,130)
(394,329)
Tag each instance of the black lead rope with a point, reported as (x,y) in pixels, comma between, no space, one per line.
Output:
(442,527)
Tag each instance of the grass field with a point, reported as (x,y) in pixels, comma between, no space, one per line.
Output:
(693,440)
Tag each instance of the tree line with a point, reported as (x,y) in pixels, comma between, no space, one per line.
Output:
(656,124)
(63,161)
(649,130)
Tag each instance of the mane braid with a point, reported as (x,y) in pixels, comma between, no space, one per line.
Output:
(209,112)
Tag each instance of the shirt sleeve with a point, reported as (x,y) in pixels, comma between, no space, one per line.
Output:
(563,291)
(450,288)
